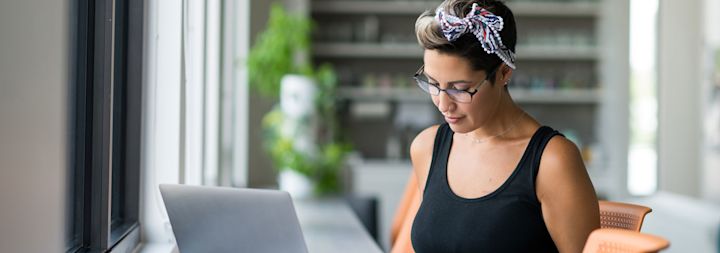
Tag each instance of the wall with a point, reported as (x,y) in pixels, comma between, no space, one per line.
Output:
(711,190)
(261,172)
(680,105)
(613,121)
(34,101)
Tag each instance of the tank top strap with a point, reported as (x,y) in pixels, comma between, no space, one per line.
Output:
(542,137)
(441,150)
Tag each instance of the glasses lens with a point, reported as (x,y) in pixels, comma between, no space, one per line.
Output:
(459,95)
(422,84)
(427,87)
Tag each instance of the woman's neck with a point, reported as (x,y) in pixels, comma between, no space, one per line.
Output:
(503,122)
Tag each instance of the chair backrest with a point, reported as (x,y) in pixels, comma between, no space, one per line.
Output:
(622,215)
(623,241)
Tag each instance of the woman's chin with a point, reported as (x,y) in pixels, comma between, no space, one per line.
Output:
(459,127)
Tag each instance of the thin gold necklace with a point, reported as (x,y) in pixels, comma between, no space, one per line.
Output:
(475,140)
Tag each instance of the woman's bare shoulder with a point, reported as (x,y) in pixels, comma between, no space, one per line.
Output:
(561,153)
(421,153)
(562,169)
(424,141)
(561,157)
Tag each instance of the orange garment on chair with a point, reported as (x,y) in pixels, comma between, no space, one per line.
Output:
(404,217)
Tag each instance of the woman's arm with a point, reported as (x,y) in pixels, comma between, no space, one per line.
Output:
(569,204)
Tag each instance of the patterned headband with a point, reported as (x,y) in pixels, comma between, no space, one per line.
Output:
(483,24)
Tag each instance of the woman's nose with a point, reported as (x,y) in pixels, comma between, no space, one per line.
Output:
(444,103)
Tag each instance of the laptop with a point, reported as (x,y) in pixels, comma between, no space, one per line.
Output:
(216,219)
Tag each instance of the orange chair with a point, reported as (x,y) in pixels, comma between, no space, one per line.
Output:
(622,215)
(404,217)
(623,241)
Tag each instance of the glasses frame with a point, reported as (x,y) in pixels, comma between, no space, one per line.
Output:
(419,81)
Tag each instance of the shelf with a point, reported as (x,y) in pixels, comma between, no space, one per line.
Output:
(554,9)
(556,53)
(382,94)
(371,7)
(576,96)
(413,51)
(368,50)
(579,96)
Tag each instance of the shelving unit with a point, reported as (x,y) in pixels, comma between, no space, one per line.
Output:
(413,51)
(558,56)
(367,50)
(545,8)
(566,77)
(522,96)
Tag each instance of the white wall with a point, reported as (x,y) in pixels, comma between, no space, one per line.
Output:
(613,123)
(33,124)
(711,189)
(680,48)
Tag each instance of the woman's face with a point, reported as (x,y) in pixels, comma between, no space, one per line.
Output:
(454,72)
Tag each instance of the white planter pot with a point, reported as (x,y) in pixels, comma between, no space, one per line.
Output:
(297,103)
(297,96)
(299,186)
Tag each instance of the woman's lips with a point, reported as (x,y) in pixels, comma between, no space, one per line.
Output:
(452,120)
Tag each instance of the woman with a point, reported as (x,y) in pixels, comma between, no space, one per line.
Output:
(492,178)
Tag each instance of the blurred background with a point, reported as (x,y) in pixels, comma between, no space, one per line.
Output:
(101,101)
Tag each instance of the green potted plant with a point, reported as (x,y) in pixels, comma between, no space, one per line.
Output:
(300,133)
(279,50)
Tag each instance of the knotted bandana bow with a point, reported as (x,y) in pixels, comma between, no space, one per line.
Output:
(486,27)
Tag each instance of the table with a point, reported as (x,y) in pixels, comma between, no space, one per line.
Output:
(330,226)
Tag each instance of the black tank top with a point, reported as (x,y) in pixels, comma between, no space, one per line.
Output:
(506,220)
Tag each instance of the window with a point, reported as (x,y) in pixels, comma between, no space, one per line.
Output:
(104,194)
(642,161)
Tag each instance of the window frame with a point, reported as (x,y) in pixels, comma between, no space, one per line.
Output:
(108,66)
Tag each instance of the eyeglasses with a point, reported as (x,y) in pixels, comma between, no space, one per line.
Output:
(461,96)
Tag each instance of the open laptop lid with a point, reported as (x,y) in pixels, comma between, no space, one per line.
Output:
(215,219)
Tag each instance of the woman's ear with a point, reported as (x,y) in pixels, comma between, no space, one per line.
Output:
(505,72)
